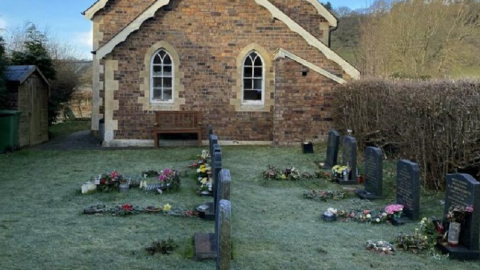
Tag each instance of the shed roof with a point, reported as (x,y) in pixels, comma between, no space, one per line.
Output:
(21,73)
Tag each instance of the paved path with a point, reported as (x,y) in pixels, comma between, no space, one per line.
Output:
(76,141)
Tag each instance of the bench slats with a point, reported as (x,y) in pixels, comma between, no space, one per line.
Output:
(178,122)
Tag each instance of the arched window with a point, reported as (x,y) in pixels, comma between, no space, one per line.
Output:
(162,76)
(253,87)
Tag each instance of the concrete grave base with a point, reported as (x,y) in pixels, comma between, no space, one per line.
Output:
(204,245)
(401,221)
(347,183)
(458,252)
(365,195)
(209,214)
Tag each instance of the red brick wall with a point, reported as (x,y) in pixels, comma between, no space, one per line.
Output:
(303,103)
(119,13)
(208,36)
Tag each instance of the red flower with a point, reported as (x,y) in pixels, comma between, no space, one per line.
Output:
(127,207)
(103,181)
(366,212)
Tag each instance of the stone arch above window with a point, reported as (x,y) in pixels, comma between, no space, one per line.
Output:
(161,76)
(254,80)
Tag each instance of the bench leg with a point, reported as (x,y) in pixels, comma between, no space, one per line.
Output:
(155,139)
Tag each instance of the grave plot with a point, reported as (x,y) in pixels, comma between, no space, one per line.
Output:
(373,175)
(347,173)
(205,244)
(462,218)
(408,192)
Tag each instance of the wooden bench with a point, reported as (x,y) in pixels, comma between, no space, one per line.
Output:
(182,122)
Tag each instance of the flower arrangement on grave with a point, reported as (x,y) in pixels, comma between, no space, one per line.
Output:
(165,247)
(382,247)
(458,214)
(110,182)
(324,195)
(394,210)
(204,179)
(325,175)
(201,159)
(423,239)
(169,179)
(339,172)
(290,173)
(360,216)
(129,210)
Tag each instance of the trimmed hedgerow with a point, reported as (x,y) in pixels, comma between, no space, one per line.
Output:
(434,123)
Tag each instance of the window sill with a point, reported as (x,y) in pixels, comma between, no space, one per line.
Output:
(251,107)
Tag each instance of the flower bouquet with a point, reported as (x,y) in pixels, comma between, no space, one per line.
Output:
(394,210)
(110,182)
(340,172)
(382,247)
(324,195)
(169,179)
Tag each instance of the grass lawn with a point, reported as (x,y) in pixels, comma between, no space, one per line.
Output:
(67,128)
(41,225)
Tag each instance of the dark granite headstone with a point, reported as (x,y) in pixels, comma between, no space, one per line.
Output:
(408,191)
(213,140)
(332,149)
(224,235)
(464,190)
(373,174)
(350,160)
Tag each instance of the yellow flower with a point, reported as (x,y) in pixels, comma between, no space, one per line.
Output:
(167,207)
(284,176)
(203,170)
(203,166)
(204,181)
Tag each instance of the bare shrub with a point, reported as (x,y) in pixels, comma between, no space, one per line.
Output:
(434,123)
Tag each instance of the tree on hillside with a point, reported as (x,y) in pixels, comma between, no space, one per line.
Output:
(417,38)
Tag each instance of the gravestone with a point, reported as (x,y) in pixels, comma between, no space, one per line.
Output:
(213,140)
(332,149)
(350,160)
(464,190)
(224,234)
(373,175)
(205,246)
(408,191)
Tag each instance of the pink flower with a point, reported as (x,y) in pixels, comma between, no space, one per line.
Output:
(167,171)
(114,174)
(469,209)
(392,209)
(162,178)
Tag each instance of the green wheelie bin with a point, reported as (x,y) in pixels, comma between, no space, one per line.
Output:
(9,130)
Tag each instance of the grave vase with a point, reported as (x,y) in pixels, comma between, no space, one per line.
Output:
(454,233)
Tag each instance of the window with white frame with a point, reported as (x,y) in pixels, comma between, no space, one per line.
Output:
(253,79)
(162,77)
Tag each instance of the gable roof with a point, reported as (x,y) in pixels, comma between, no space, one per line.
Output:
(325,13)
(332,20)
(21,73)
(108,47)
(94,8)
